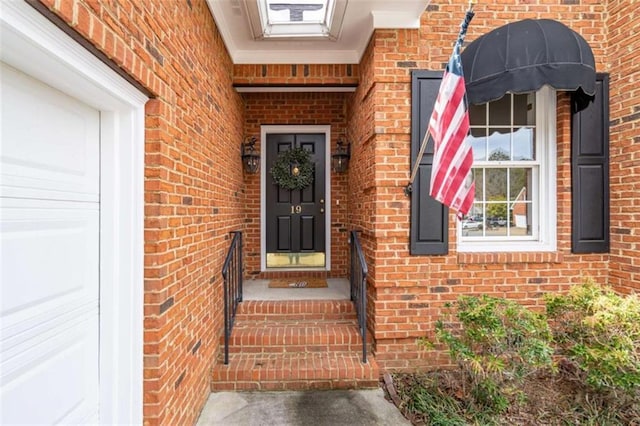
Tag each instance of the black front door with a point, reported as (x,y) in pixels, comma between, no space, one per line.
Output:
(295,219)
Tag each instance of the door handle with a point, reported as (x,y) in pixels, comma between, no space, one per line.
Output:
(321,200)
(321,209)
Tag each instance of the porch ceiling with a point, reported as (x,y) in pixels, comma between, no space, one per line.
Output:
(360,19)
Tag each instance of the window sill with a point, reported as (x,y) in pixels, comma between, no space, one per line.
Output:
(513,257)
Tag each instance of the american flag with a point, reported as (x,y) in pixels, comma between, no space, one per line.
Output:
(451,178)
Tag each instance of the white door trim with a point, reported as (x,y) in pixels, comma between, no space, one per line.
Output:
(32,44)
(266,129)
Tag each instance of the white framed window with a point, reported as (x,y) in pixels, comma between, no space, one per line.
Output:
(514,149)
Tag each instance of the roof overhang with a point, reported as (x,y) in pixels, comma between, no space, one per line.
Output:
(345,45)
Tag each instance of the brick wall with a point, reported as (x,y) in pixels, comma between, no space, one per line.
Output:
(296,109)
(407,292)
(193,183)
(362,188)
(295,74)
(623,25)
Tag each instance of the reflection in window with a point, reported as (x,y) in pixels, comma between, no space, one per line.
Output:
(478,141)
(499,145)
(523,144)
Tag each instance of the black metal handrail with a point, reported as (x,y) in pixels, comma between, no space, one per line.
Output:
(232,275)
(358,280)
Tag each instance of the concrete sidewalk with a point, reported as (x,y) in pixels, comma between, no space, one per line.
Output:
(317,408)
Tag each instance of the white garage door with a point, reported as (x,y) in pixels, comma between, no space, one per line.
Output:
(49,231)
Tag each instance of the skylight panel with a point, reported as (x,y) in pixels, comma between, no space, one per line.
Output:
(296,19)
(297,11)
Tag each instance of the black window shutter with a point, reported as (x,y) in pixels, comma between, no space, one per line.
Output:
(590,172)
(429,225)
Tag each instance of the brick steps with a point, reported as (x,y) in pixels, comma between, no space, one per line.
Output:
(257,310)
(295,371)
(295,337)
(293,345)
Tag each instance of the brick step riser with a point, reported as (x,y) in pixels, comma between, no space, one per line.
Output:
(281,385)
(244,325)
(306,308)
(295,372)
(289,339)
(347,348)
(308,317)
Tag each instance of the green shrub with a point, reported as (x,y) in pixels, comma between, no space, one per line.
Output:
(496,343)
(599,331)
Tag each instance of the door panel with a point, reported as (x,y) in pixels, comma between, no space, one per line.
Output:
(49,252)
(284,233)
(307,226)
(49,147)
(295,219)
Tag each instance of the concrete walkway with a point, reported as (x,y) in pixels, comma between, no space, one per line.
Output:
(316,408)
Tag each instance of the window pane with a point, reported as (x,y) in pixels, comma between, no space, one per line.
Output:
(497,219)
(478,115)
(497,211)
(521,206)
(476,211)
(500,111)
(524,111)
(496,185)
(523,144)
(479,180)
(478,140)
(472,224)
(520,184)
(521,215)
(499,145)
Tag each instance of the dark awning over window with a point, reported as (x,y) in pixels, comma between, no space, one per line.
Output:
(523,56)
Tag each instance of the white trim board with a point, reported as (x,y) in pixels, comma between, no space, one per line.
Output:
(33,45)
(294,129)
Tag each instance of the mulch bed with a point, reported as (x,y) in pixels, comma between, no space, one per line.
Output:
(551,399)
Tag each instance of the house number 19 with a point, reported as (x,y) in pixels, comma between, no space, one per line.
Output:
(296,209)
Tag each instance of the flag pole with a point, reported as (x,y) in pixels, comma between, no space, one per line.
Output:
(423,146)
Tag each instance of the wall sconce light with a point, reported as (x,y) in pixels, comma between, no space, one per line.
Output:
(340,158)
(250,157)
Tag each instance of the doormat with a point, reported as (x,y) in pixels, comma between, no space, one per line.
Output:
(298,283)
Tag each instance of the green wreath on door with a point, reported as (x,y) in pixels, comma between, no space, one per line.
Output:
(293,169)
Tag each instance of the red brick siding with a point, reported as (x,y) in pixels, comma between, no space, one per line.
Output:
(193,184)
(296,74)
(407,292)
(296,109)
(623,25)
(361,196)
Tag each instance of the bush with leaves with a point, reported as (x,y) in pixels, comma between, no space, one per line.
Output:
(599,331)
(496,343)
